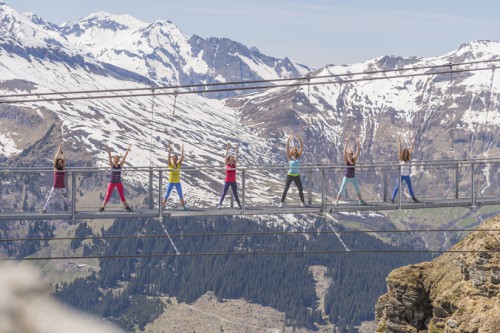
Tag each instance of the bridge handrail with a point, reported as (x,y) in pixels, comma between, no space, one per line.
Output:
(305,166)
(465,181)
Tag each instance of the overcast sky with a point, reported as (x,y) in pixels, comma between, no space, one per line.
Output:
(312,32)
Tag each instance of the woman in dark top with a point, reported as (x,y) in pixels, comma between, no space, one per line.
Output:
(115,179)
(350,159)
(59,185)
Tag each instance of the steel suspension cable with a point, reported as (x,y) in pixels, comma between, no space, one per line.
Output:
(245,234)
(246,254)
(259,87)
(258,81)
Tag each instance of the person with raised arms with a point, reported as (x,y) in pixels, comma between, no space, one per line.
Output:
(350,159)
(115,179)
(174,179)
(293,174)
(230,161)
(59,185)
(404,157)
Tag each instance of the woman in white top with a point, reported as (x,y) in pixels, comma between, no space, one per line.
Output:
(404,161)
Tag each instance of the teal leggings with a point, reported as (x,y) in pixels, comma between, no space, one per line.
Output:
(354,183)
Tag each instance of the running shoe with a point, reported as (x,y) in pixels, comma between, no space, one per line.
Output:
(128,209)
(281,205)
(101,209)
(304,205)
(362,203)
(185,208)
(219,206)
(415,200)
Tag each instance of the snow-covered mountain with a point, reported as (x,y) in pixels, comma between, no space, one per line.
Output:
(163,53)
(450,115)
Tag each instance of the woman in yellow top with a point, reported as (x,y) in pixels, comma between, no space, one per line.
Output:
(174,179)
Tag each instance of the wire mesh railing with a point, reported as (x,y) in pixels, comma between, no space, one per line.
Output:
(29,190)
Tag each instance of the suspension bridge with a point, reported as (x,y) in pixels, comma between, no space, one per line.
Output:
(450,183)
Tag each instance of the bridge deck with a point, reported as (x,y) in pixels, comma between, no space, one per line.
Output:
(248,211)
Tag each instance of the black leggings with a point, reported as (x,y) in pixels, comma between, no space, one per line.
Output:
(234,187)
(298,183)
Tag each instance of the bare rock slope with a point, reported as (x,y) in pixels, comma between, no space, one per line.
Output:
(456,292)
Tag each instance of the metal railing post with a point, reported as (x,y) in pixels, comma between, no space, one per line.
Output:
(309,186)
(457,179)
(385,185)
(473,187)
(150,189)
(323,189)
(160,194)
(73,195)
(243,190)
(400,187)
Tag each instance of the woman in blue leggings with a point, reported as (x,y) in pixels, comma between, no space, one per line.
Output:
(404,161)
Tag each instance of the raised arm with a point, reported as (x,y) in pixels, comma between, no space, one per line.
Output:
(55,156)
(400,156)
(358,149)
(182,154)
(62,157)
(235,154)
(227,153)
(411,148)
(109,156)
(345,150)
(169,155)
(125,156)
(301,150)
(288,155)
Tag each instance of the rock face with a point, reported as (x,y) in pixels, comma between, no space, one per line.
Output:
(456,292)
(25,306)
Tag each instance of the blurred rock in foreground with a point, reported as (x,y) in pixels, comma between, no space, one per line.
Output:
(26,306)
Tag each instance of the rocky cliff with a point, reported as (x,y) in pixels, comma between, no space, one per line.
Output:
(456,292)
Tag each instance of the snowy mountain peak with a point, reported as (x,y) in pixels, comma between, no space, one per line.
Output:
(105,19)
(28,28)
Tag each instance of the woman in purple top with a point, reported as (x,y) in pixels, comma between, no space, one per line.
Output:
(350,159)
(59,186)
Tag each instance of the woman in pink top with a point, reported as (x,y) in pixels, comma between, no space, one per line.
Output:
(230,162)
(59,186)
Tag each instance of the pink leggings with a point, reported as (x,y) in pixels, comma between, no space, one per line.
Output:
(111,187)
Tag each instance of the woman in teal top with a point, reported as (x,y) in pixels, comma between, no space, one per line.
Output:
(293,175)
